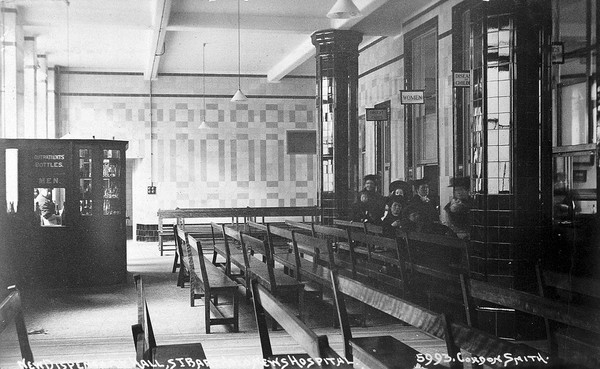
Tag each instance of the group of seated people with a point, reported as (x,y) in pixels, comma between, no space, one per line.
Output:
(416,212)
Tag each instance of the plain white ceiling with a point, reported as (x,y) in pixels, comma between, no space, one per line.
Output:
(118,35)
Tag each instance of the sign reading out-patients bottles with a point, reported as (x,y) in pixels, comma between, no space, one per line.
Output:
(412,97)
(49,167)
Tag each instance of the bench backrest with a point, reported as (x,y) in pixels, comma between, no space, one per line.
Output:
(12,310)
(375,243)
(330,232)
(572,284)
(300,225)
(349,224)
(577,316)
(265,303)
(406,311)
(260,246)
(434,249)
(216,231)
(317,248)
(373,229)
(143,332)
(196,258)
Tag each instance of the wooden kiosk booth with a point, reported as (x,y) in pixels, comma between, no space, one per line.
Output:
(62,214)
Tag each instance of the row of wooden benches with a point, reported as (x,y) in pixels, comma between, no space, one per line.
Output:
(382,351)
(303,247)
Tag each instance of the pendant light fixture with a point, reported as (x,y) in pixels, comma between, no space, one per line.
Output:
(203,124)
(343,9)
(239,95)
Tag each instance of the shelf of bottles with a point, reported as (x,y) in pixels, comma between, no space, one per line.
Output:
(85,182)
(111,182)
(327,134)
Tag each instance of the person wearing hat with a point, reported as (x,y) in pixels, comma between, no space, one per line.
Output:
(395,218)
(372,203)
(459,207)
(427,206)
(399,190)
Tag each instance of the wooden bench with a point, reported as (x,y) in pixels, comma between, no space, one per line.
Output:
(11,310)
(565,315)
(185,267)
(388,352)
(275,280)
(221,247)
(237,215)
(213,282)
(316,347)
(434,264)
(309,260)
(383,260)
(382,351)
(145,342)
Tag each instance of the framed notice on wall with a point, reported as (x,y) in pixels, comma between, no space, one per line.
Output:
(302,141)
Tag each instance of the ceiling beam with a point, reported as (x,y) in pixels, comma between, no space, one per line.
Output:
(306,50)
(196,21)
(162,12)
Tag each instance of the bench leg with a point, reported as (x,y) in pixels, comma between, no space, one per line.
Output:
(301,303)
(207,314)
(181,277)
(175,262)
(214,258)
(216,300)
(236,326)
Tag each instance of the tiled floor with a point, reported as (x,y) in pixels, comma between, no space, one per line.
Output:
(94,324)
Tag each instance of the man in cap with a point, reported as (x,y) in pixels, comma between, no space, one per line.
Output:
(459,207)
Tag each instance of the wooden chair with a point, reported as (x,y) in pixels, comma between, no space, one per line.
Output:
(145,342)
(213,282)
(11,310)
(317,347)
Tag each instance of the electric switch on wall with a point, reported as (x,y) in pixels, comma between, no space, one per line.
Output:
(151,190)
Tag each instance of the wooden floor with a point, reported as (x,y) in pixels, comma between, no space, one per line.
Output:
(94,325)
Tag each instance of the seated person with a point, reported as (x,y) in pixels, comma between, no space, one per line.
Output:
(399,190)
(394,219)
(428,207)
(374,203)
(459,207)
(362,210)
(418,222)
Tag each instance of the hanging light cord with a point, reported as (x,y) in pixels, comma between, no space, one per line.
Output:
(204,80)
(239,49)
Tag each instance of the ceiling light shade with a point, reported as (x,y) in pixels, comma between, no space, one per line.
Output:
(239,96)
(343,9)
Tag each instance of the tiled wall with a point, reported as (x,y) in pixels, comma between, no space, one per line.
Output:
(238,159)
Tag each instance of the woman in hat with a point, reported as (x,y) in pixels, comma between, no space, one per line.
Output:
(428,207)
(394,219)
(400,190)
